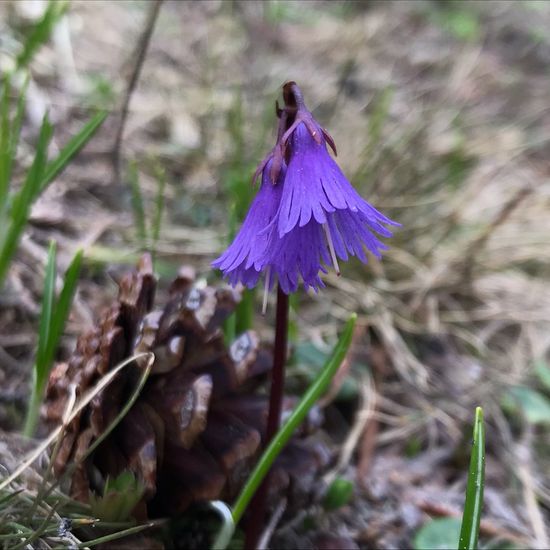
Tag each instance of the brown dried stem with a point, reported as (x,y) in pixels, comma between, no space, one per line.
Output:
(138,57)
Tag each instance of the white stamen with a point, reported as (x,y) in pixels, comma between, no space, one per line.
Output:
(331,249)
(266,288)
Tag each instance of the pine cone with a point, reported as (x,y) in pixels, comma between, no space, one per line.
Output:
(196,429)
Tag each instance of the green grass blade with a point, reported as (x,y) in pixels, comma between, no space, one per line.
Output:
(137,203)
(61,311)
(9,138)
(74,145)
(18,214)
(11,141)
(17,121)
(43,337)
(5,143)
(48,299)
(41,32)
(313,393)
(52,323)
(159,207)
(471,518)
(37,179)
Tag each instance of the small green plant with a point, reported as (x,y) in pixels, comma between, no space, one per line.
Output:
(15,204)
(437,534)
(471,518)
(52,322)
(120,497)
(338,494)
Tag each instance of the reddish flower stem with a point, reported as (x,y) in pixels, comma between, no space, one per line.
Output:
(256,521)
(278,373)
(293,98)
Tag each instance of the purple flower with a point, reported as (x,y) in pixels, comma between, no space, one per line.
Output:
(317,194)
(244,260)
(300,254)
(306,215)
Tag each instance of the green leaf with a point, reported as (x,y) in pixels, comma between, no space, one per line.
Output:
(11,148)
(542,370)
(307,353)
(120,497)
(438,534)
(74,145)
(457,19)
(534,405)
(338,494)
(309,359)
(473,506)
(463,24)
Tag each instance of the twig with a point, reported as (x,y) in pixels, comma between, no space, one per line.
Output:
(473,249)
(138,58)
(368,399)
(271,526)
(367,446)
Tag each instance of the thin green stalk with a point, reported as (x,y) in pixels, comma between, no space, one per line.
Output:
(160,176)
(471,518)
(311,396)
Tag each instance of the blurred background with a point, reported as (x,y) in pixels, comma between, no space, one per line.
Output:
(441,117)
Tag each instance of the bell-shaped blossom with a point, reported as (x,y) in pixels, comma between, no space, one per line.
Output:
(244,259)
(305,216)
(315,186)
(321,217)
